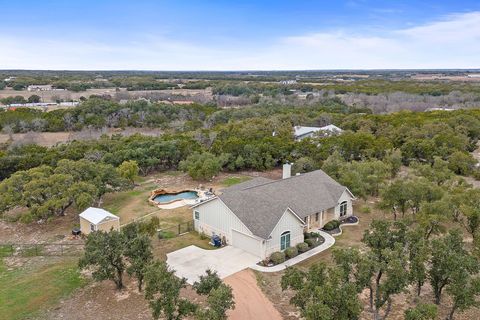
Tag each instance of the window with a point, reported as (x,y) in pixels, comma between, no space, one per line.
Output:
(92,227)
(285,240)
(317,216)
(197,215)
(343,209)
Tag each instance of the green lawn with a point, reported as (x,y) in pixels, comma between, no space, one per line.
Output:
(230,181)
(27,290)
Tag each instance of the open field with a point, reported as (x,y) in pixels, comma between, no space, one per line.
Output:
(49,139)
(39,284)
(53,95)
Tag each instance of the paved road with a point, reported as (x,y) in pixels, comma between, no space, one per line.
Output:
(250,302)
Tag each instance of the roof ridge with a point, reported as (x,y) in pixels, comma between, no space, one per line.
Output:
(274,181)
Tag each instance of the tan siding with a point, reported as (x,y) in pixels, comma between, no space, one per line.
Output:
(108,225)
(84,226)
(105,226)
(216,217)
(288,222)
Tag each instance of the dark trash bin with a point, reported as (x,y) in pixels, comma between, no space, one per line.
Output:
(216,240)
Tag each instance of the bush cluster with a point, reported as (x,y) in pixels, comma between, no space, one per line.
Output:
(302,247)
(331,225)
(277,257)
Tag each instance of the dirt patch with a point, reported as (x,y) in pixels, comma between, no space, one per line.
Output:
(57,230)
(250,301)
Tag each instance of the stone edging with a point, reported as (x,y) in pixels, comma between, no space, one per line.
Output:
(329,241)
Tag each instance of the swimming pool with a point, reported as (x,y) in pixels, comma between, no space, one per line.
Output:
(169,197)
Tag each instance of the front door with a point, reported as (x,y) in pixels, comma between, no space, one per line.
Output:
(285,240)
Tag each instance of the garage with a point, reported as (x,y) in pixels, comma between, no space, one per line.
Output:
(246,242)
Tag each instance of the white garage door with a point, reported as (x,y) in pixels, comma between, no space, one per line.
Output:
(247,243)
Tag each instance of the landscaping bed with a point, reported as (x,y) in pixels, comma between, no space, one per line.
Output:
(334,227)
(312,240)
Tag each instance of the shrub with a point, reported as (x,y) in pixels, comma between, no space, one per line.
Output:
(166,234)
(291,252)
(366,209)
(277,257)
(331,225)
(203,235)
(308,235)
(302,247)
(314,235)
(27,218)
(311,243)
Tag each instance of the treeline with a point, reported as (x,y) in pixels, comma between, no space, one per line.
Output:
(98,113)
(364,157)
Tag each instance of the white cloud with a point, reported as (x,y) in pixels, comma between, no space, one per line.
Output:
(451,42)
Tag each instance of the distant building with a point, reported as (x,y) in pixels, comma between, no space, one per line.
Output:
(439,109)
(287,82)
(9,79)
(44,87)
(308,132)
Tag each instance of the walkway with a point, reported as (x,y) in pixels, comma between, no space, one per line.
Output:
(250,301)
(329,241)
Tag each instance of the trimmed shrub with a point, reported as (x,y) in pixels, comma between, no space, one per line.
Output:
(308,235)
(277,257)
(311,243)
(302,247)
(291,252)
(331,225)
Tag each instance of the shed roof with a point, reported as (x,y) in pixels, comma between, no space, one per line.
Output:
(97,215)
(260,203)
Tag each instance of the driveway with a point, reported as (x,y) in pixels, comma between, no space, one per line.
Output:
(192,261)
(250,301)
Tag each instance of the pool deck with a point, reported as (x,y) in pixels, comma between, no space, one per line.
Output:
(184,202)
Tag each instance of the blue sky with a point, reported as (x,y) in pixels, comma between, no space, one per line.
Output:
(239,35)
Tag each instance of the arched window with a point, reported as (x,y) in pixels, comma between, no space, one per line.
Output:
(343,209)
(285,240)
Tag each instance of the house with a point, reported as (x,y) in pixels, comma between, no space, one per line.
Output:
(262,216)
(301,132)
(95,219)
(288,82)
(45,87)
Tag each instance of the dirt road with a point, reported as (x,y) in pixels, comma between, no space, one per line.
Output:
(250,302)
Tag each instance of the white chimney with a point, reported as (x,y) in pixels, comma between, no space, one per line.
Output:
(287,171)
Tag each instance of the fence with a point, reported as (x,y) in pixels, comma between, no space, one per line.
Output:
(40,249)
(177,230)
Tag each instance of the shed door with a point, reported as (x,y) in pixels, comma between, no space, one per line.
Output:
(247,243)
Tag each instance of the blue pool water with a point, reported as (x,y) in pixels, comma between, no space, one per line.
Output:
(162,198)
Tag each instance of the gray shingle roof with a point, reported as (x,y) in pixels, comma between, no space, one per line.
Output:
(260,202)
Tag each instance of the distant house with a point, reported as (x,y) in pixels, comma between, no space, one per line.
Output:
(439,109)
(288,82)
(45,87)
(262,216)
(301,132)
(96,219)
